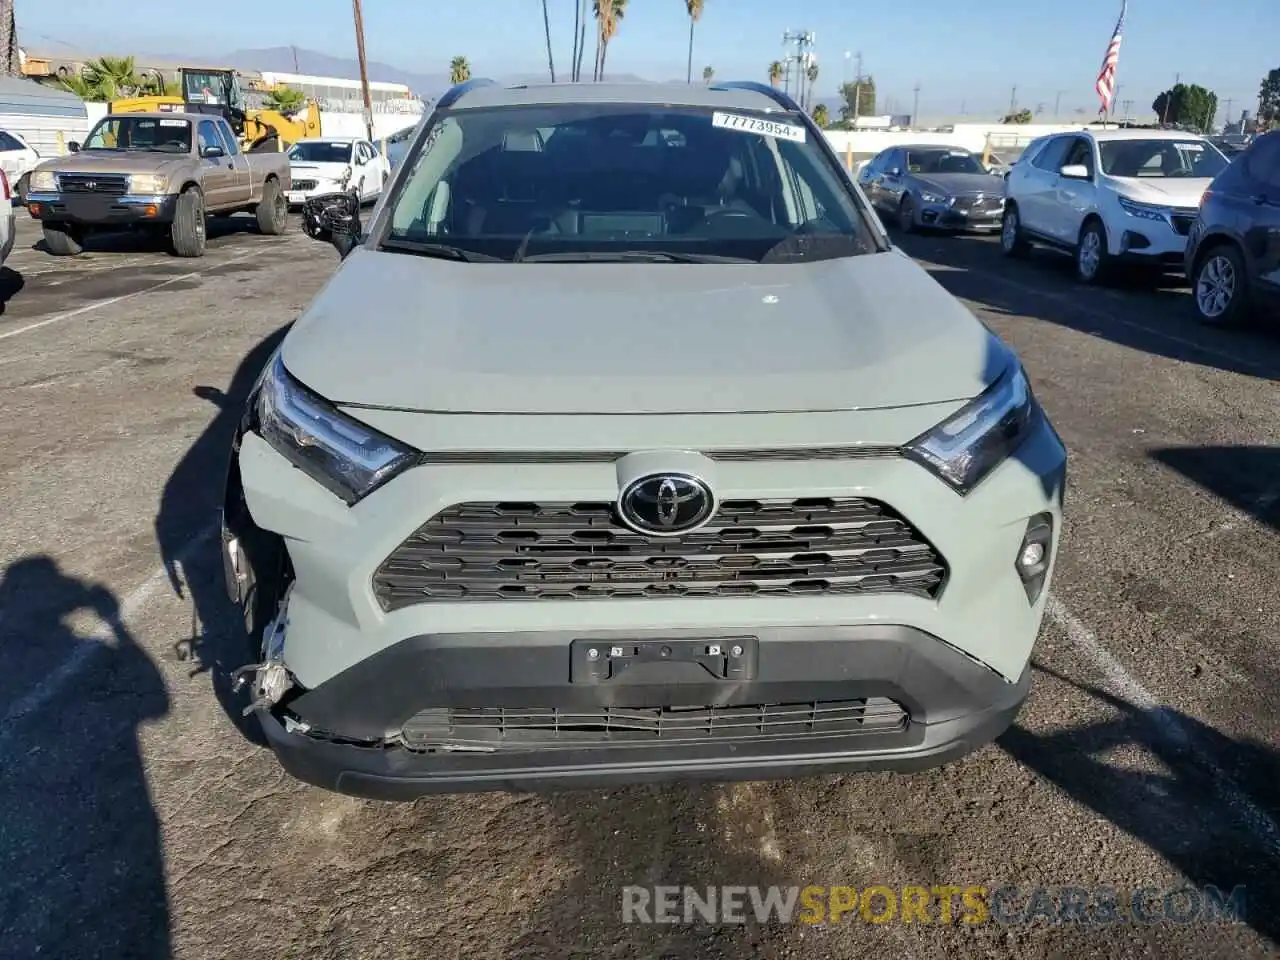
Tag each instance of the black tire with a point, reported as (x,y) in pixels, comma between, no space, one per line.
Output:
(187,232)
(1220,287)
(22,188)
(62,239)
(1093,263)
(907,214)
(273,210)
(1013,242)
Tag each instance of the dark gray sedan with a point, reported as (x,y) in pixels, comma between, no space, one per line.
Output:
(934,186)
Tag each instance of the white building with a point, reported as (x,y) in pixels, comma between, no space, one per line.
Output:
(344,96)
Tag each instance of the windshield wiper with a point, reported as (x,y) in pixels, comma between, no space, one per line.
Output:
(441,250)
(632,256)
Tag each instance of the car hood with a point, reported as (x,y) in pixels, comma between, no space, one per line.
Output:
(1170,191)
(959,184)
(113,161)
(404,332)
(329,171)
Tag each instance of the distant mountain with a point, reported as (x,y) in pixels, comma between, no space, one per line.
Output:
(316,64)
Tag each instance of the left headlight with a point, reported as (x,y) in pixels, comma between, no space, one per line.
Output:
(147,184)
(971,443)
(343,455)
(929,196)
(42,181)
(1143,211)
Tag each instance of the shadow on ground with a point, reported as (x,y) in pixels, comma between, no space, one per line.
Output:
(1248,478)
(11,284)
(81,871)
(1134,313)
(1210,806)
(189,509)
(136,241)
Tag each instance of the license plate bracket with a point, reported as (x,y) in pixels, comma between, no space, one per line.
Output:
(728,659)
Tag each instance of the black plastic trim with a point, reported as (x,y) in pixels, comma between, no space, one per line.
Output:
(755,86)
(954,704)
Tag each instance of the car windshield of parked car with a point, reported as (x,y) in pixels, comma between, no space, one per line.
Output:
(141,134)
(943,161)
(1161,158)
(321,152)
(610,181)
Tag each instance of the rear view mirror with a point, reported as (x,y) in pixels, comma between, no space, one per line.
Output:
(1075,171)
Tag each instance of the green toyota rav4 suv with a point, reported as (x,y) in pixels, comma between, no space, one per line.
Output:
(623,446)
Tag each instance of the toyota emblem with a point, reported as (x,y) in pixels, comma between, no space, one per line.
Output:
(666,504)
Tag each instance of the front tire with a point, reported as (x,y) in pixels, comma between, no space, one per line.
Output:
(1013,243)
(187,232)
(907,214)
(62,239)
(1220,287)
(1093,263)
(273,210)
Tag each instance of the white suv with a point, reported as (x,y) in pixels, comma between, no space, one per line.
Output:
(1109,196)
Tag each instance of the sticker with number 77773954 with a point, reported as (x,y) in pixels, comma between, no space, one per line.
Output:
(767,128)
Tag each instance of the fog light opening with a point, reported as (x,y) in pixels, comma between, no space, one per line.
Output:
(1032,561)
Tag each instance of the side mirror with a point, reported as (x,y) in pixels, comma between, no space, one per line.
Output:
(1075,171)
(74,146)
(347,233)
(212,153)
(894,171)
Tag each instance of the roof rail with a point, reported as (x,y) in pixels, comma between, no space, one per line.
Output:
(770,91)
(456,92)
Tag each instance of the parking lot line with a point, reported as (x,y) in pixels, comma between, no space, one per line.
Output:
(97,305)
(1165,723)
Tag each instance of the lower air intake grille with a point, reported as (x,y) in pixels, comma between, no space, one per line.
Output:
(567,551)
(533,728)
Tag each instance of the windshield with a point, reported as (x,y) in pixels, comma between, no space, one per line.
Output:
(212,87)
(591,181)
(141,134)
(317,152)
(1161,158)
(943,161)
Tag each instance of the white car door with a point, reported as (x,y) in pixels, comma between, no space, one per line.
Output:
(1074,199)
(1034,193)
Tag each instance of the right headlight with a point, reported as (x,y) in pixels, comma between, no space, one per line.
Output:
(343,455)
(976,439)
(41,181)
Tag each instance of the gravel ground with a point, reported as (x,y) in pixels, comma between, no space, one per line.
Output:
(140,821)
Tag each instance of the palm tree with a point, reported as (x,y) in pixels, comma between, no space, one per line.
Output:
(82,88)
(113,77)
(821,116)
(775,72)
(580,36)
(9,40)
(285,100)
(707,74)
(695,14)
(546,27)
(459,70)
(609,14)
(812,75)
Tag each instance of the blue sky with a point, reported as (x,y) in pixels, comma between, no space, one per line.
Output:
(964,55)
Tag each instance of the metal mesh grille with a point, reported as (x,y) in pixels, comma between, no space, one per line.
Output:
(565,551)
(549,727)
(977,204)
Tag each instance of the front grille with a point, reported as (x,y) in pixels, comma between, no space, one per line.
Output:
(98,184)
(304,184)
(532,728)
(978,204)
(569,551)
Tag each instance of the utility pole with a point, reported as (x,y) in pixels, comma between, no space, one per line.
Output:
(364,70)
(803,41)
(295,60)
(1228,120)
(1124,106)
(1013,101)
(1057,102)
(857,91)
(915,104)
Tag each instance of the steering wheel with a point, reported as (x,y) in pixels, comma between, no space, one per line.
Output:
(727,212)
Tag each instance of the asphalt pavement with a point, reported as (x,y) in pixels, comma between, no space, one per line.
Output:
(138,817)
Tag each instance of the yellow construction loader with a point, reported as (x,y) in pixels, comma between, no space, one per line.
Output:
(217,91)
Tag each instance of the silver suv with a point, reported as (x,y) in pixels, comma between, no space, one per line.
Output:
(624,447)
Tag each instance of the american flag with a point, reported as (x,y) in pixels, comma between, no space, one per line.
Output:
(1106,85)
